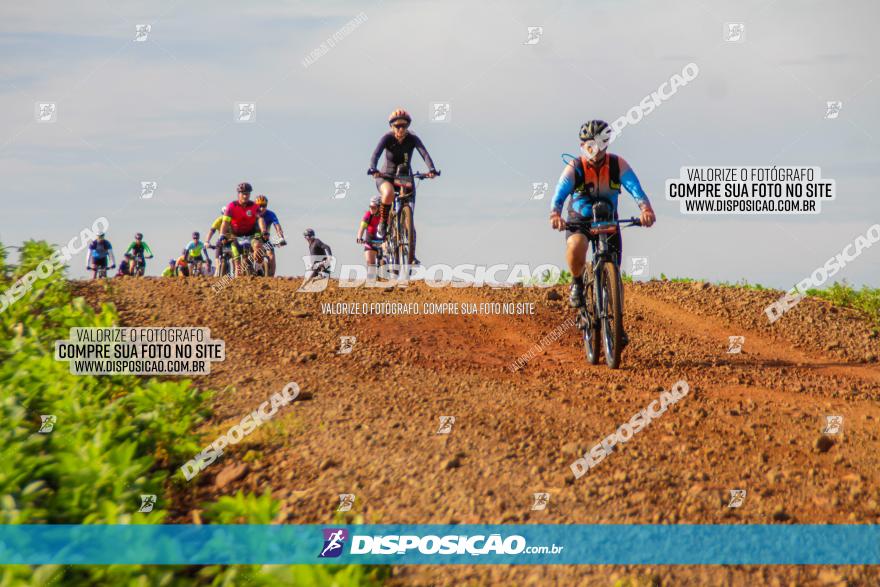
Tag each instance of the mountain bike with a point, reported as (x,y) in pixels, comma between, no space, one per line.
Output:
(196,267)
(101,272)
(223,266)
(601,318)
(250,264)
(400,233)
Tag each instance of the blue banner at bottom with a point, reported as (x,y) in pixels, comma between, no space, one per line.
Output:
(441,544)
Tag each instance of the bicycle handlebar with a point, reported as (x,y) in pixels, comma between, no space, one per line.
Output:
(392,176)
(585,224)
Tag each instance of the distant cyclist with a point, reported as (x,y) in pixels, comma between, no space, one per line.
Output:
(138,248)
(181,266)
(196,251)
(169,271)
(241,218)
(99,251)
(270,219)
(367,232)
(125,266)
(215,228)
(398,145)
(320,254)
(595,176)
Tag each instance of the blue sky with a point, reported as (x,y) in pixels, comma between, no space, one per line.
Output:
(163,110)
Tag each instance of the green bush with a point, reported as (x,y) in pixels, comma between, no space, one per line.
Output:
(114,439)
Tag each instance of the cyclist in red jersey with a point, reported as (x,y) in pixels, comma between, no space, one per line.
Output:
(241,218)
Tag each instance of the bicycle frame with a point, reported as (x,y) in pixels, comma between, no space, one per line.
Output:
(404,184)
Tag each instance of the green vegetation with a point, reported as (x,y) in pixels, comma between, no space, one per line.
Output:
(114,438)
(842,294)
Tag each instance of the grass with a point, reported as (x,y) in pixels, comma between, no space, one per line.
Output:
(115,438)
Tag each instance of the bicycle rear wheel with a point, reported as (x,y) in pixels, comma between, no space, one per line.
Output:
(405,237)
(612,314)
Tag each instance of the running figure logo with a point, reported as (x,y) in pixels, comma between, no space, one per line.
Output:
(446,423)
(440,112)
(340,189)
(535,33)
(639,266)
(346,345)
(47,424)
(735,344)
(47,112)
(734,32)
(334,539)
(147,503)
(541,501)
(833,424)
(832,109)
(247,112)
(141,32)
(148,188)
(539,189)
(737,498)
(346,502)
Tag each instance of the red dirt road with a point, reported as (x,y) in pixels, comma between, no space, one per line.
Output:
(367,424)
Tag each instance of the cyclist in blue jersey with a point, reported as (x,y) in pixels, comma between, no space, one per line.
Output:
(270,220)
(99,250)
(595,176)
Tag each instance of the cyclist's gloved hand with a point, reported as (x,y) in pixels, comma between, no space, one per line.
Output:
(433,173)
(648,217)
(556,221)
(282,242)
(373,171)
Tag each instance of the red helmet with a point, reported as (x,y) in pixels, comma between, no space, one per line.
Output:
(399,114)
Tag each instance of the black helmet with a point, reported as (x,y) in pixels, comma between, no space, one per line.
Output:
(593,129)
(196,235)
(138,236)
(245,188)
(309,233)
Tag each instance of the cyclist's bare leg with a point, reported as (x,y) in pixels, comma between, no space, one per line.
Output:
(576,254)
(370,257)
(386,191)
(270,253)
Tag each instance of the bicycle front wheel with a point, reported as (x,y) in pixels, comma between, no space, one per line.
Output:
(612,314)
(406,235)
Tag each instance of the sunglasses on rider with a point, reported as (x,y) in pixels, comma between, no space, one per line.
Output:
(401,125)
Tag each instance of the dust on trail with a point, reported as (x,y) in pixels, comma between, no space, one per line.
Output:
(368,425)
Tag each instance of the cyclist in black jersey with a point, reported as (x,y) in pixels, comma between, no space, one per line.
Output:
(320,254)
(398,145)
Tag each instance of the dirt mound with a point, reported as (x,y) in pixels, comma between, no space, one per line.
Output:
(752,420)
